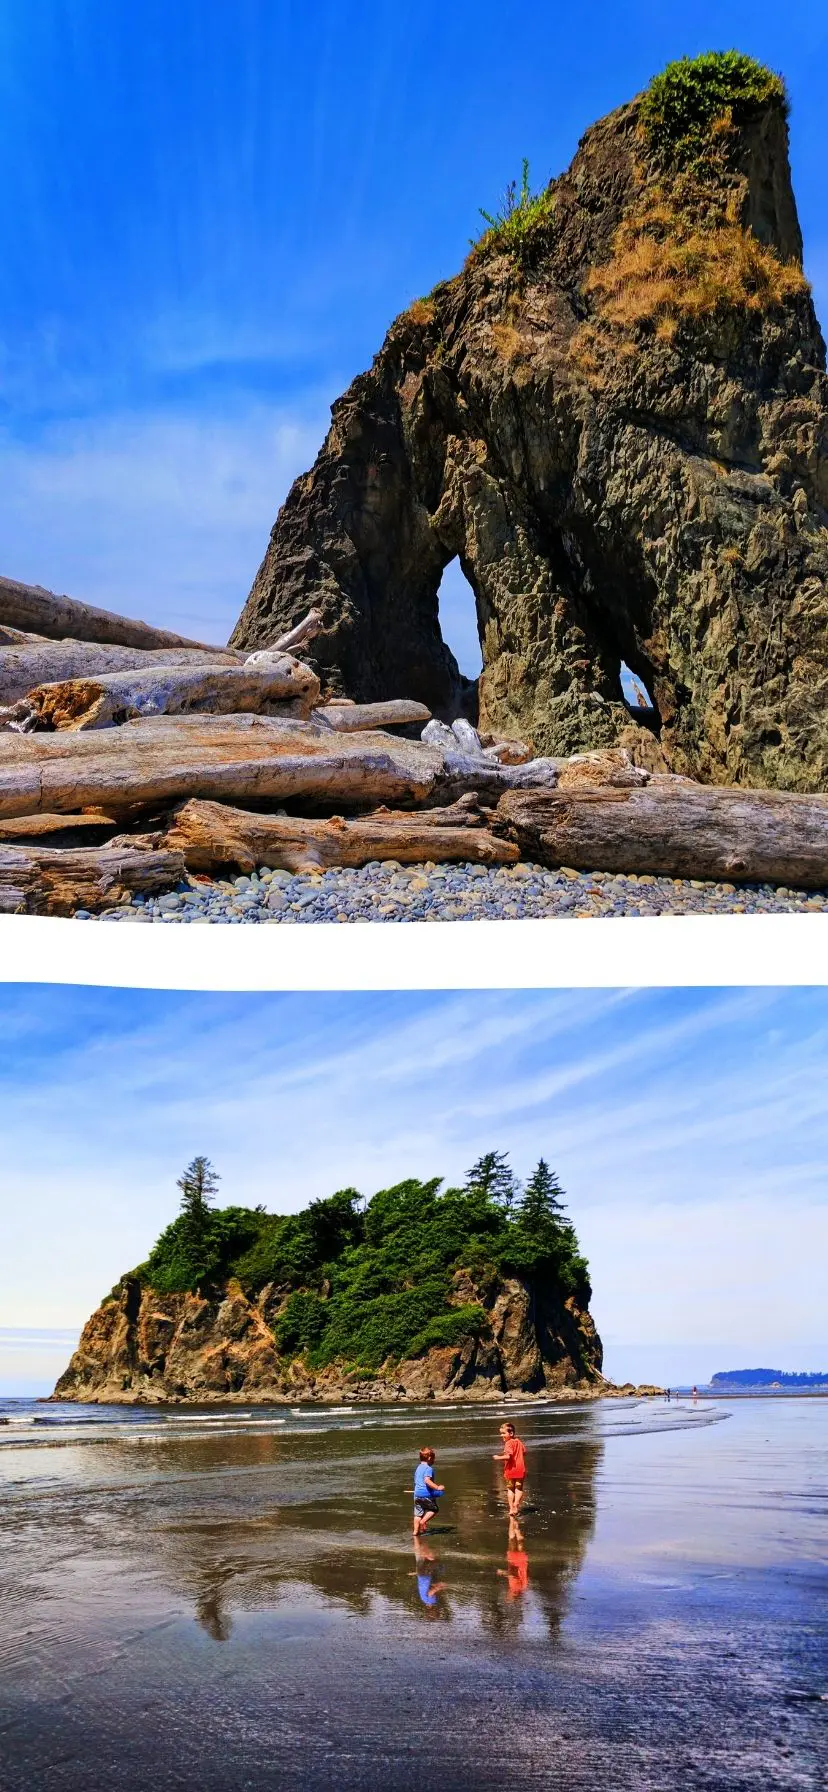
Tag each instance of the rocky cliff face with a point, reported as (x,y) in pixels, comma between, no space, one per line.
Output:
(616,416)
(145,1346)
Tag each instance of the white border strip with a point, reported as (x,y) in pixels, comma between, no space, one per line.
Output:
(658,951)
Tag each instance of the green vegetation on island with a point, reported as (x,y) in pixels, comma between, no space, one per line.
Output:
(520,214)
(769,1378)
(367,1280)
(685,105)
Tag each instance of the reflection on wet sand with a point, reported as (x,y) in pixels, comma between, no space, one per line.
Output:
(360,1557)
(188,1610)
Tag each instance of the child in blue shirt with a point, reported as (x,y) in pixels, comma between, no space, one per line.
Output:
(426,1491)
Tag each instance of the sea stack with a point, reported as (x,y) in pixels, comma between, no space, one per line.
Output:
(616,416)
(419,1293)
(142,1346)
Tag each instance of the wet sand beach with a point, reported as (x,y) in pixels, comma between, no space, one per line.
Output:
(217,1600)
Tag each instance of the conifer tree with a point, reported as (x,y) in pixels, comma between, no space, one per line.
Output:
(492,1177)
(198,1186)
(542,1209)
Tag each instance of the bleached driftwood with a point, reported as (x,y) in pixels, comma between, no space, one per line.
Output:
(38,880)
(304,632)
(19,637)
(28,664)
(246,759)
(462,734)
(508,752)
(118,697)
(466,736)
(438,734)
(606,768)
(351,718)
(26,828)
(213,835)
(673,827)
(32,607)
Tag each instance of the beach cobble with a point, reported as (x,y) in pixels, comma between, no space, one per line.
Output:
(393,892)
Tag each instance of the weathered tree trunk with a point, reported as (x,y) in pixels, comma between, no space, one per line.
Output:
(47,881)
(25,829)
(118,697)
(31,607)
(25,666)
(300,636)
(247,759)
(212,835)
(19,637)
(354,718)
(674,828)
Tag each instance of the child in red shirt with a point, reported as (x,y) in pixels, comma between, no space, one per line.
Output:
(514,1468)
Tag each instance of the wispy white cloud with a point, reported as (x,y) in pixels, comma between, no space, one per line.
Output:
(164,516)
(689,1129)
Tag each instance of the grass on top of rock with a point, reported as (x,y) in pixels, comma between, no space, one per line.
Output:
(367,1281)
(682,257)
(521,219)
(666,270)
(683,105)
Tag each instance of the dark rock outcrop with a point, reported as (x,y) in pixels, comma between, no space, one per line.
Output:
(616,416)
(144,1346)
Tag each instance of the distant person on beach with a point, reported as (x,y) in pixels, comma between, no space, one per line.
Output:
(513,1457)
(426,1491)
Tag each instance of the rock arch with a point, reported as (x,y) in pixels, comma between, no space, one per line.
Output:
(619,483)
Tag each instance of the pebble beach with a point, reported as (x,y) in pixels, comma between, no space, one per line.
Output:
(389,891)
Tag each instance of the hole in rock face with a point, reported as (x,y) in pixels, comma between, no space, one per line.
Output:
(458,620)
(635,692)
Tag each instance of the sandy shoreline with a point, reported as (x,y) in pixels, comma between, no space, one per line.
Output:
(230,1607)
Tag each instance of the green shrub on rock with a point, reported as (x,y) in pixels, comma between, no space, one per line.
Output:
(364,1283)
(682,105)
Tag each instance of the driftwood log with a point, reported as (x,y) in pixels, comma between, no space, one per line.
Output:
(117,697)
(25,666)
(353,718)
(674,828)
(31,607)
(34,828)
(213,836)
(247,759)
(37,880)
(298,636)
(18,637)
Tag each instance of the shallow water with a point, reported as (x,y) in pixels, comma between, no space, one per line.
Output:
(231,1599)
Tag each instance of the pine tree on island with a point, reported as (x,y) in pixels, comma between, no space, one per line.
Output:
(363,1282)
(542,1211)
(198,1186)
(493,1178)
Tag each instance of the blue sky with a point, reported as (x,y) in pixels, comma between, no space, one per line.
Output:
(210,213)
(688,1127)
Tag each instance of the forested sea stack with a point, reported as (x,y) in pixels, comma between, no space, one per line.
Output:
(616,415)
(421,1293)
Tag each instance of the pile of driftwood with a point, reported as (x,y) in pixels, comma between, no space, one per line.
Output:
(130,757)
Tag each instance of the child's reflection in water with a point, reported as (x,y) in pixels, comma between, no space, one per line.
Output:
(428,1588)
(516,1572)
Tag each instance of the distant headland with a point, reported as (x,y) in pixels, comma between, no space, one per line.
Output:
(768,1378)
